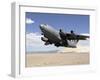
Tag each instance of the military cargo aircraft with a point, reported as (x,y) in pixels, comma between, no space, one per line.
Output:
(59,38)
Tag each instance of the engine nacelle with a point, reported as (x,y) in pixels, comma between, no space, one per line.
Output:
(44,39)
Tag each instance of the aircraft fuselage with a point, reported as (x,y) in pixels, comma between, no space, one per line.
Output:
(52,36)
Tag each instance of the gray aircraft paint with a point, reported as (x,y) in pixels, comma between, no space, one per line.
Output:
(51,32)
(53,35)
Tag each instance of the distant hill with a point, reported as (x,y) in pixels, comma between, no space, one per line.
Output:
(55,51)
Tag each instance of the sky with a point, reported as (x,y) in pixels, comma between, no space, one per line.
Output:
(66,22)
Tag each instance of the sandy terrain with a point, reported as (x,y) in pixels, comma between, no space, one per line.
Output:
(65,57)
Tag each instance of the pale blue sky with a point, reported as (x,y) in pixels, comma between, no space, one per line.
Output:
(78,23)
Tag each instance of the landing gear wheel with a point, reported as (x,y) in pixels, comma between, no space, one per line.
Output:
(57,45)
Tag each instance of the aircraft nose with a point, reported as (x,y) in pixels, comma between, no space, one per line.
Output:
(41,26)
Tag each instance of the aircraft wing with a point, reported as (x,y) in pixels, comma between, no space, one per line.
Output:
(75,36)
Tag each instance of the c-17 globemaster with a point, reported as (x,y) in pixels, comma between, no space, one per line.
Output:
(59,38)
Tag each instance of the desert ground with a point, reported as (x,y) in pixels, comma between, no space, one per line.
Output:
(67,56)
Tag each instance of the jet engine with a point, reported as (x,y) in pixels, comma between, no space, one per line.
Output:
(44,39)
